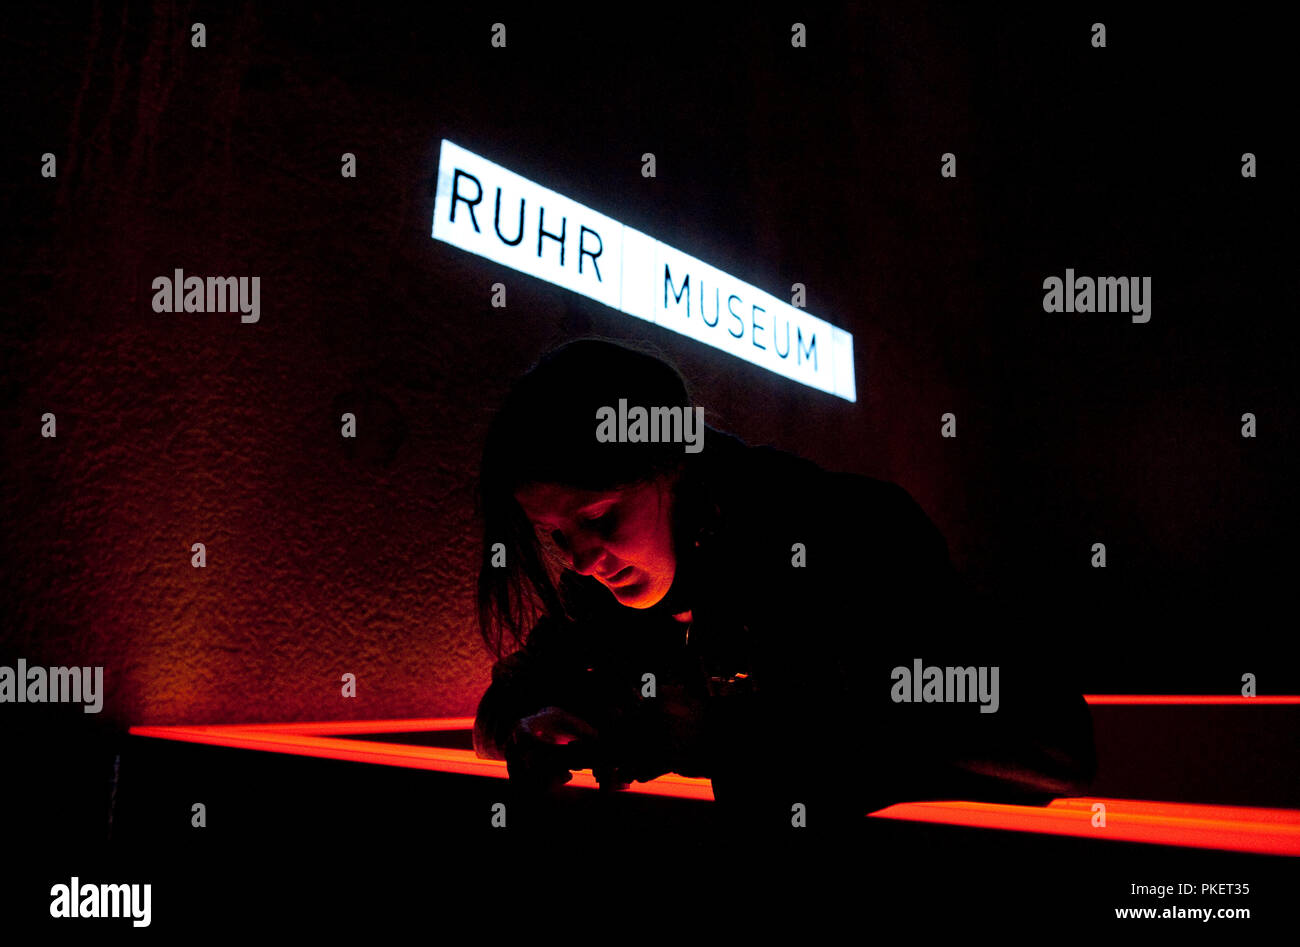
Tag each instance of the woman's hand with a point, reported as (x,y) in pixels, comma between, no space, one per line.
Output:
(555,726)
(546,746)
(537,752)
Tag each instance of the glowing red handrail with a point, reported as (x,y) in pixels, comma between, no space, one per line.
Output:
(298,741)
(1231,828)
(1135,699)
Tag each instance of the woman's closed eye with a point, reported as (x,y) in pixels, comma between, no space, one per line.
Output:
(602,523)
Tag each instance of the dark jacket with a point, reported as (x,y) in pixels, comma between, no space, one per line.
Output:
(807,589)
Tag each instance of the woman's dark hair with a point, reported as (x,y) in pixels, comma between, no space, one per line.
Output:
(545,432)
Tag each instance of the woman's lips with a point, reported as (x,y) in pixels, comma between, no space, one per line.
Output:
(621,574)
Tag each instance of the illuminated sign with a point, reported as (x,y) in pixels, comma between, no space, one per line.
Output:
(485,209)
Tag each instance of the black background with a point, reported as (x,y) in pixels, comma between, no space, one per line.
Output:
(816,165)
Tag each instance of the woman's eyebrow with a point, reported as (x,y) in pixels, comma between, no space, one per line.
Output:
(545,522)
(587,510)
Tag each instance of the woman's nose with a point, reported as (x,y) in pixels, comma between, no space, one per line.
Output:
(586,555)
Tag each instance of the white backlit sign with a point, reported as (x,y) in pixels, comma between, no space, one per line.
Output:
(485,209)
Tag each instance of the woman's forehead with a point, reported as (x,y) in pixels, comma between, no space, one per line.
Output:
(554,499)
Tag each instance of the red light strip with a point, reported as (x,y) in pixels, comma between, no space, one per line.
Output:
(1229,828)
(324,728)
(303,740)
(1134,699)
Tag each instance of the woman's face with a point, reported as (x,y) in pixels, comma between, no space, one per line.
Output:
(623,536)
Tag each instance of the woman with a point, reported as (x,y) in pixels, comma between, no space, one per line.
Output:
(735,613)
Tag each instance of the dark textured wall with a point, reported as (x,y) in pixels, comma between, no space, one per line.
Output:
(776,165)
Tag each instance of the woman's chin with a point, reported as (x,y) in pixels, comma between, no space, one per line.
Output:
(636,596)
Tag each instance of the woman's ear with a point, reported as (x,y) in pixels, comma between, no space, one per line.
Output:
(669,481)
